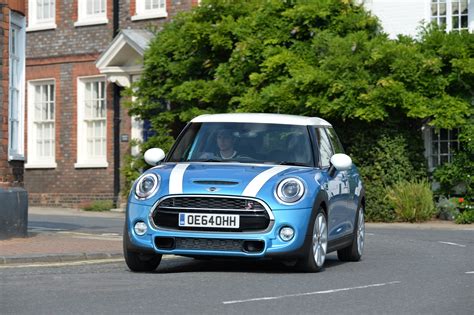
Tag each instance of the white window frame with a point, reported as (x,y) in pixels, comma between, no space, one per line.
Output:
(83,19)
(16,88)
(428,140)
(83,161)
(34,24)
(449,15)
(143,14)
(35,161)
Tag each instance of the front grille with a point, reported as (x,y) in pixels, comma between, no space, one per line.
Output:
(253,214)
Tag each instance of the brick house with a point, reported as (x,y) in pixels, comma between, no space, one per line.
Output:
(76,130)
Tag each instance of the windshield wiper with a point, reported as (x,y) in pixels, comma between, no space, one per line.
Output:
(291,163)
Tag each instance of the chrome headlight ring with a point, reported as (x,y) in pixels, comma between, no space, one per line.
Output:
(147,186)
(290,190)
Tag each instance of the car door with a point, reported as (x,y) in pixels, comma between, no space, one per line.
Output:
(336,187)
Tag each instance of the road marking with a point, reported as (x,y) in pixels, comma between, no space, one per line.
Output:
(370,234)
(470,272)
(312,293)
(454,244)
(42,228)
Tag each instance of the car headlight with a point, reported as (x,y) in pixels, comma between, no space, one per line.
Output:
(290,190)
(147,186)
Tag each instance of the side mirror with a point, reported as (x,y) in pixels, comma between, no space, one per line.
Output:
(153,156)
(340,162)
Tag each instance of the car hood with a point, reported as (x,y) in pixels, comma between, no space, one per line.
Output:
(237,179)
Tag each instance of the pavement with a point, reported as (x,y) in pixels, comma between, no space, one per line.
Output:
(60,246)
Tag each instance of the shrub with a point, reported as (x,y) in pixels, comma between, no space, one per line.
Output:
(412,201)
(99,205)
(447,209)
(466,217)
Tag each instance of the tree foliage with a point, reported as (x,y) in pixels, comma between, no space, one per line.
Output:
(327,58)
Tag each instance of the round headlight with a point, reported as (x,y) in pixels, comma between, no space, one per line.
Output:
(290,190)
(147,186)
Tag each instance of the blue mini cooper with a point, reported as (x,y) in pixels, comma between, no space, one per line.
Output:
(248,185)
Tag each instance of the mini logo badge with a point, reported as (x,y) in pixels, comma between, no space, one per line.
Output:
(212,189)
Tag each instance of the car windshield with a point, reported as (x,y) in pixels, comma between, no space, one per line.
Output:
(244,143)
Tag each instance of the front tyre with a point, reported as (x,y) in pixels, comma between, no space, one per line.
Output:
(136,261)
(354,251)
(315,256)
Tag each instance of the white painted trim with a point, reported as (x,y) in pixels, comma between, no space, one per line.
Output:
(176,179)
(154,15)
(20,21)
(263,118)
(33,160)
(87,22)
(39,165)
(82,160)
(261,179)
(41,27)
(38,25)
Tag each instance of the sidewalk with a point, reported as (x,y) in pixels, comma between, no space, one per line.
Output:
(62,246)
(67,246)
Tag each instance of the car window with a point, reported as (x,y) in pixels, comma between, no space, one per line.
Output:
(336,143)
(325,149)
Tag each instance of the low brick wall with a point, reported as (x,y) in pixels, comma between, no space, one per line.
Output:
(62,200)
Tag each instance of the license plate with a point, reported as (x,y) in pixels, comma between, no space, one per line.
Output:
(209,220)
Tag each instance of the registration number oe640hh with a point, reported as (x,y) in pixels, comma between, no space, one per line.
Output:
(209,220)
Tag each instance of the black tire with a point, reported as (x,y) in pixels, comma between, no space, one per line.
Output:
(352,252)
(308,263)
(137,261)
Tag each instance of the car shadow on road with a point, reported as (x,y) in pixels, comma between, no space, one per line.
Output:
(184,264)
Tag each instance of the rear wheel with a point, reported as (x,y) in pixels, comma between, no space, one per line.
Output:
(315,256)
(136,261)
(354,251)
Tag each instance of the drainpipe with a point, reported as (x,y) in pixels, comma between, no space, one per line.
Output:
(116,106)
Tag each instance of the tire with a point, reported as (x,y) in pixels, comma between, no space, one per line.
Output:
(136,261)
(354,251)
(316,250)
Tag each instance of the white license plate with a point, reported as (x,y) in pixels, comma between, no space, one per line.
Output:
(209,220)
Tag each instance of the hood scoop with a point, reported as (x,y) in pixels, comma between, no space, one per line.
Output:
(215,182)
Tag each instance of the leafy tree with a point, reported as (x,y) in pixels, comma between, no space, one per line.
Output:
(327,58)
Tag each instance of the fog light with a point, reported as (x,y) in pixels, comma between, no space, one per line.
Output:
(140,228)
(287,233)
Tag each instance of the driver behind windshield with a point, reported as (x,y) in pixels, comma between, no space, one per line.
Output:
(225,141)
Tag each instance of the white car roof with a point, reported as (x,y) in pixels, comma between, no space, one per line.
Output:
(278,119)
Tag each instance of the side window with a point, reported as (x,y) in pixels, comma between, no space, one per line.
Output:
(325,149)
(336,144)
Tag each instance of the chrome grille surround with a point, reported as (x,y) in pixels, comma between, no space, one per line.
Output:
(263,209)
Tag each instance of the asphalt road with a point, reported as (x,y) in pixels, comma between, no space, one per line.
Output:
(402,272)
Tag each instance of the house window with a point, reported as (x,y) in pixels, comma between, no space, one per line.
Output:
(440,146)
(451,14)
(92,123)
(16,86)
(41,124)
(91,12)
(150,9)
(41,15)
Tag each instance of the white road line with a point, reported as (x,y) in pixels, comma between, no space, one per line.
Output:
(370,234)
(454,244)
(64,264)
(311,293)
(470,272)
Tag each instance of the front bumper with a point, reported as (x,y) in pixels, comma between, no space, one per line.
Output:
(192,243)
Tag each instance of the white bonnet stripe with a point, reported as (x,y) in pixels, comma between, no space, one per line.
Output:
(257,183)
(176,179)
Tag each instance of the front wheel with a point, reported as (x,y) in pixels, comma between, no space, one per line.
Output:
(354,251)
(136,261)
(315,256)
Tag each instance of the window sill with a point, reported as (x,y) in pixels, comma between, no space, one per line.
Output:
(40,165)
(91,22)
(41,27)
(147,16)
(91,165)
